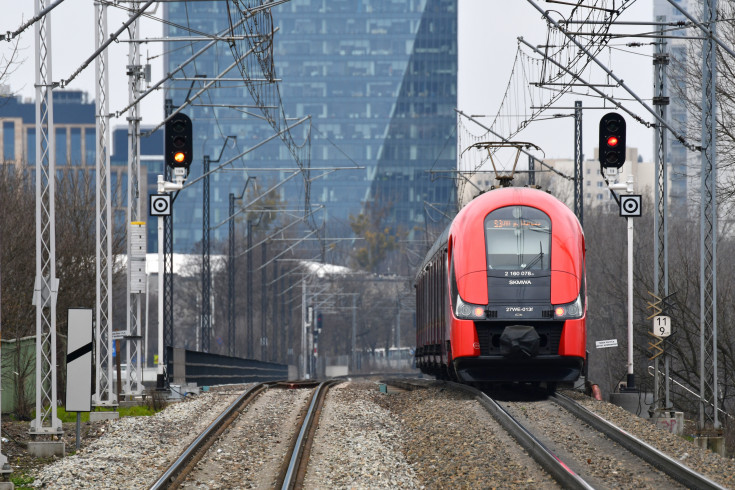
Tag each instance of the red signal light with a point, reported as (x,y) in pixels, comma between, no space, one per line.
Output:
(179,156)
(612,141)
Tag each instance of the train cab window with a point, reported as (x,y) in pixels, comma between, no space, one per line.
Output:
(518,238)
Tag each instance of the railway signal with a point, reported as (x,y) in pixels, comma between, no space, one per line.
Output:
(612,140)
(179,144)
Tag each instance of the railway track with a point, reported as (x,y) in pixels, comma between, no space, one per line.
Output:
(280,440)
(579,449)
(667,465)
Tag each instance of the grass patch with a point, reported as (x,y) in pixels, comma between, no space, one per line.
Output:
(22,482)
(135,411)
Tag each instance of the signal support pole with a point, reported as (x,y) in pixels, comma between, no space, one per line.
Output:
(628,188)
(163,187)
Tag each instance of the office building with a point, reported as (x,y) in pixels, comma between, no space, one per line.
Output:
(74,128)
(681,183)
(379,80)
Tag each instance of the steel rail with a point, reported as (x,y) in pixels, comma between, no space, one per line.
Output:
(549,461)
(562,473)
(648,453)
(297,464)
(176,473)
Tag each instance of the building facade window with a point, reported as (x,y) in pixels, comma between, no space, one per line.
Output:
(75,150)
(90,146)
(31,143)
(61,158)
(8,140)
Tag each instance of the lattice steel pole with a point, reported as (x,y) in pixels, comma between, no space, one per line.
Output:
(277,322)
(263,304)
(168,269)
(708,231)
(206,316)
(134,381)
(46,284)
(250,289)
(104,394)
(231,280)
(660,218)
(578,170)
(4,466)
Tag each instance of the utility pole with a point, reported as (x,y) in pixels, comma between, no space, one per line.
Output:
(4,466)
(231,280)
(206,315)
(708,397)
(168,270)
(46,285)
(578,165)
(104,394)
(263,304)
(304,327)
(353,348)
(136,265)
(660,217)
(250,289)
(231,320)
(277,321)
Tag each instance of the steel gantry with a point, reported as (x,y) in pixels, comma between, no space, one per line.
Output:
(46,284)
(104,394)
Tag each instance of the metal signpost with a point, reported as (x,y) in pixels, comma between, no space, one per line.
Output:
(79,364)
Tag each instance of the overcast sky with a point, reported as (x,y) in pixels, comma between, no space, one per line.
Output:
(488,32)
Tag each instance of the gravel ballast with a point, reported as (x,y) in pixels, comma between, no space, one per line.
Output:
(426,438)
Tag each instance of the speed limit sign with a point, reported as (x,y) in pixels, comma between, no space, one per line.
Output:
(661,326)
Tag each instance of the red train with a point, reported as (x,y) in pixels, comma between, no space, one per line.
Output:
(501,295)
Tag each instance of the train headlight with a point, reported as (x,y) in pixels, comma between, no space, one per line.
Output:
(569,310)
(466,310)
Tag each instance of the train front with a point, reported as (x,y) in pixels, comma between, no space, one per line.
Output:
(517,289)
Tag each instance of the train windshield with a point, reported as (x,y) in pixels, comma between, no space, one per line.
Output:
(518,238)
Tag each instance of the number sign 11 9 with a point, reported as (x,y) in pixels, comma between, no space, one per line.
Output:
(661,326)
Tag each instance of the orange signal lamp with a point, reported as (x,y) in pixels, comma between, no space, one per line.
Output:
(179,156)
(479,312)
(612,141)
(559,311)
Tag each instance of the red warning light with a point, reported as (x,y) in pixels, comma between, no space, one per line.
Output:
(612,141)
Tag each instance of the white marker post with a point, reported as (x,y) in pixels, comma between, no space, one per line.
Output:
(161,205)
(630,207)
(79,364)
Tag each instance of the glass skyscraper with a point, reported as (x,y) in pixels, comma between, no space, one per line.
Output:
(676,112)
(379,80)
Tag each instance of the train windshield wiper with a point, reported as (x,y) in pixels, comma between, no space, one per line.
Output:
(536,259)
